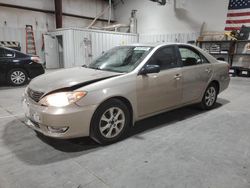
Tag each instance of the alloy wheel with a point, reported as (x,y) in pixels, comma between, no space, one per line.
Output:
(18,77)
(112,122)
(210,96)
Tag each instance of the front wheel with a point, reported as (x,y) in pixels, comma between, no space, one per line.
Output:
(110,122)
(17,77)
(210,97)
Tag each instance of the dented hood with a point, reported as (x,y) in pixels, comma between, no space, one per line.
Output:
(67,78)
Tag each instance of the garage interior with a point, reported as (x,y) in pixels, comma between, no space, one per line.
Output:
(186,147)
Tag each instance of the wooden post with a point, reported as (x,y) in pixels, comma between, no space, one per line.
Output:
(58,13)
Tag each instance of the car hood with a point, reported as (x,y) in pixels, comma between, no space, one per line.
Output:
(67,78)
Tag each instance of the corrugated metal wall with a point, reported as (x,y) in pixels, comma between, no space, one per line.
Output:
(83,45)
(168,37)
(91,44)
(77,49)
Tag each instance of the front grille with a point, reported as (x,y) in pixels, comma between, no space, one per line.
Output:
(34,95)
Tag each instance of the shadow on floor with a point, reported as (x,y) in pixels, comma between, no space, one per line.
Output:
(39,150)
(170,117)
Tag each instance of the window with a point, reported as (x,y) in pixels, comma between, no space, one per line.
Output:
(121,59)
(9,53)
(1,52)
(191,57)
(165,58)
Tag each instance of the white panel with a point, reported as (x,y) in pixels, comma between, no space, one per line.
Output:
(169,37)
(77,53)
(103,41)
(69,57)
(51,52)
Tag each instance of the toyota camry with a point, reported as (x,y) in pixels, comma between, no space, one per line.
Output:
(126,84)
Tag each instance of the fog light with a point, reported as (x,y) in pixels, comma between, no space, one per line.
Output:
(57,129)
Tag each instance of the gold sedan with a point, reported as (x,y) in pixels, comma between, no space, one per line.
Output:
(124,85)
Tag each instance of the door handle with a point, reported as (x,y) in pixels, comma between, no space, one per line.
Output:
(177,76)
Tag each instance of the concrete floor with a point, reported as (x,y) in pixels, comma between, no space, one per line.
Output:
(185,148)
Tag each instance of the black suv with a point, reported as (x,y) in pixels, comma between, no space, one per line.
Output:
(17,68)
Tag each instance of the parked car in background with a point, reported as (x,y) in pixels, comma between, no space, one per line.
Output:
(17,68)
(124,85)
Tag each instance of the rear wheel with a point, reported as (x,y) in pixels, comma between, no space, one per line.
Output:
(110,122)
(210,97)
(17,77)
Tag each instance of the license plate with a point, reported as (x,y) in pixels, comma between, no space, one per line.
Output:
(244,72)
(231,71)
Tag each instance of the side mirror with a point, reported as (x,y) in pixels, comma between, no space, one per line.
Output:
(149,69)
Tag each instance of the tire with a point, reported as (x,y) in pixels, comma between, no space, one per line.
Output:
(17,77)
(110,122)
(210,96)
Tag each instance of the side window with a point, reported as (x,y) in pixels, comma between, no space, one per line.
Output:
(9,53)
(204,60)
(165,58)
(191,57)
(2,52)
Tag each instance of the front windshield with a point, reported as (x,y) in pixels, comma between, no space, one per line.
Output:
(121,59)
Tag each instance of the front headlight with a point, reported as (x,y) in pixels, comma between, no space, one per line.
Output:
(62,99)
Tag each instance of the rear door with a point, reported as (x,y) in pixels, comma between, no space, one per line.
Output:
(6,61)
(2,64)
(159,91)
(196,73)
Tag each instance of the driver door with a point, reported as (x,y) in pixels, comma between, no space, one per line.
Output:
(157,92)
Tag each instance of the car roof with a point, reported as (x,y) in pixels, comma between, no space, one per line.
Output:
(158,44)
(11,49)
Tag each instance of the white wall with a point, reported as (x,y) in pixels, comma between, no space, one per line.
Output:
(17,19)
(89,8)
(156,19)
(41,4)
(80,7)
(157,23)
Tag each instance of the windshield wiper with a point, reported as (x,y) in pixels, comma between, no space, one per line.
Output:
(111,70)
(98,68)
(95,68)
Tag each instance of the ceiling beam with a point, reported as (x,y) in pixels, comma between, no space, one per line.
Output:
(52,12)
